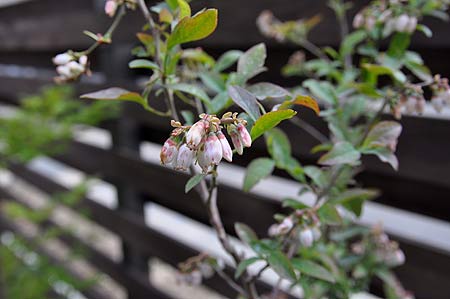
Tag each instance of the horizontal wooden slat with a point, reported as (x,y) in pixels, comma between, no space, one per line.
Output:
(32,25)
(132,229)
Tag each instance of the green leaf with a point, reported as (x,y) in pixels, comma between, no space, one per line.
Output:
(342,153)
(384,154)
(245,233)
(185,9)
(321,90)
(353,199)
(316,175)
(420,70)
(193,181)
(143,64)
(329,214)
(312,269)
(294,204)
(266,90)
(114,93)
(257,170)
(279,147)
(245,100)
(188,117)
(399,44)
(240,269)
(220,102)
(281,264)
(252,61)
(213,81)
(425,30)
(192,29)
(192,90)
(269,121)
(378,70)
(227,59)
(383,134)
(348,46)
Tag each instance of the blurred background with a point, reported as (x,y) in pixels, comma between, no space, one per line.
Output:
(130,222)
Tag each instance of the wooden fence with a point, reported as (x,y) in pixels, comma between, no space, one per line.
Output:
(32,32)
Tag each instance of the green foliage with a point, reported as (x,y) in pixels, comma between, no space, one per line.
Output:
(257,170)
(45,121)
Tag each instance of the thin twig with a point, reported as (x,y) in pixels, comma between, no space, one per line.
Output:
(309,129)
(231,282)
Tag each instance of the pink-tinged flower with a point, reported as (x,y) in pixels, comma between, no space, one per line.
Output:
(184,158)
(213,150)
(412,24)
(202,162)
(401,23)
(285,226)
(62,59)
(169,151)
(227,153)
(195,134)
(110,8)
(236,139)
(395,258)
(245,136)
(83,60)
(64,71)
(358,21)
(306,237)
(370,23)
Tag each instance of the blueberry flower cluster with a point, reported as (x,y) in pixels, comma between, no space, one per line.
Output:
(388,13)
(204,142)
(303,226)
(193,270)
(70,66)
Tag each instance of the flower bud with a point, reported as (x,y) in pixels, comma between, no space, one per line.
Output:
(110,8)
(64,71)
(316,233)
(245,136)
(206,270)
(195,134)
(62,59)
(306,237)
(83,60)
(395,258)
(75,68)
(201,160)
(412,24)
(213,150)
(227,153)
(358,21)
(438,103)
(236,139)
(285,226)
(184,158)
(370,22)
(169,151)
(401,23)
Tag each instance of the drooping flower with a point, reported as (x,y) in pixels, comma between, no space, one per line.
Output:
(110,8)
(213,150)
(227,153)
(185,157)
(358,21)
(196,133)
(306,237)
(236,139)
(62,59)
(169,151)
(245,136)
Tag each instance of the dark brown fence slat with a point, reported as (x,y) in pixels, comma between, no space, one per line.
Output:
(130,228)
